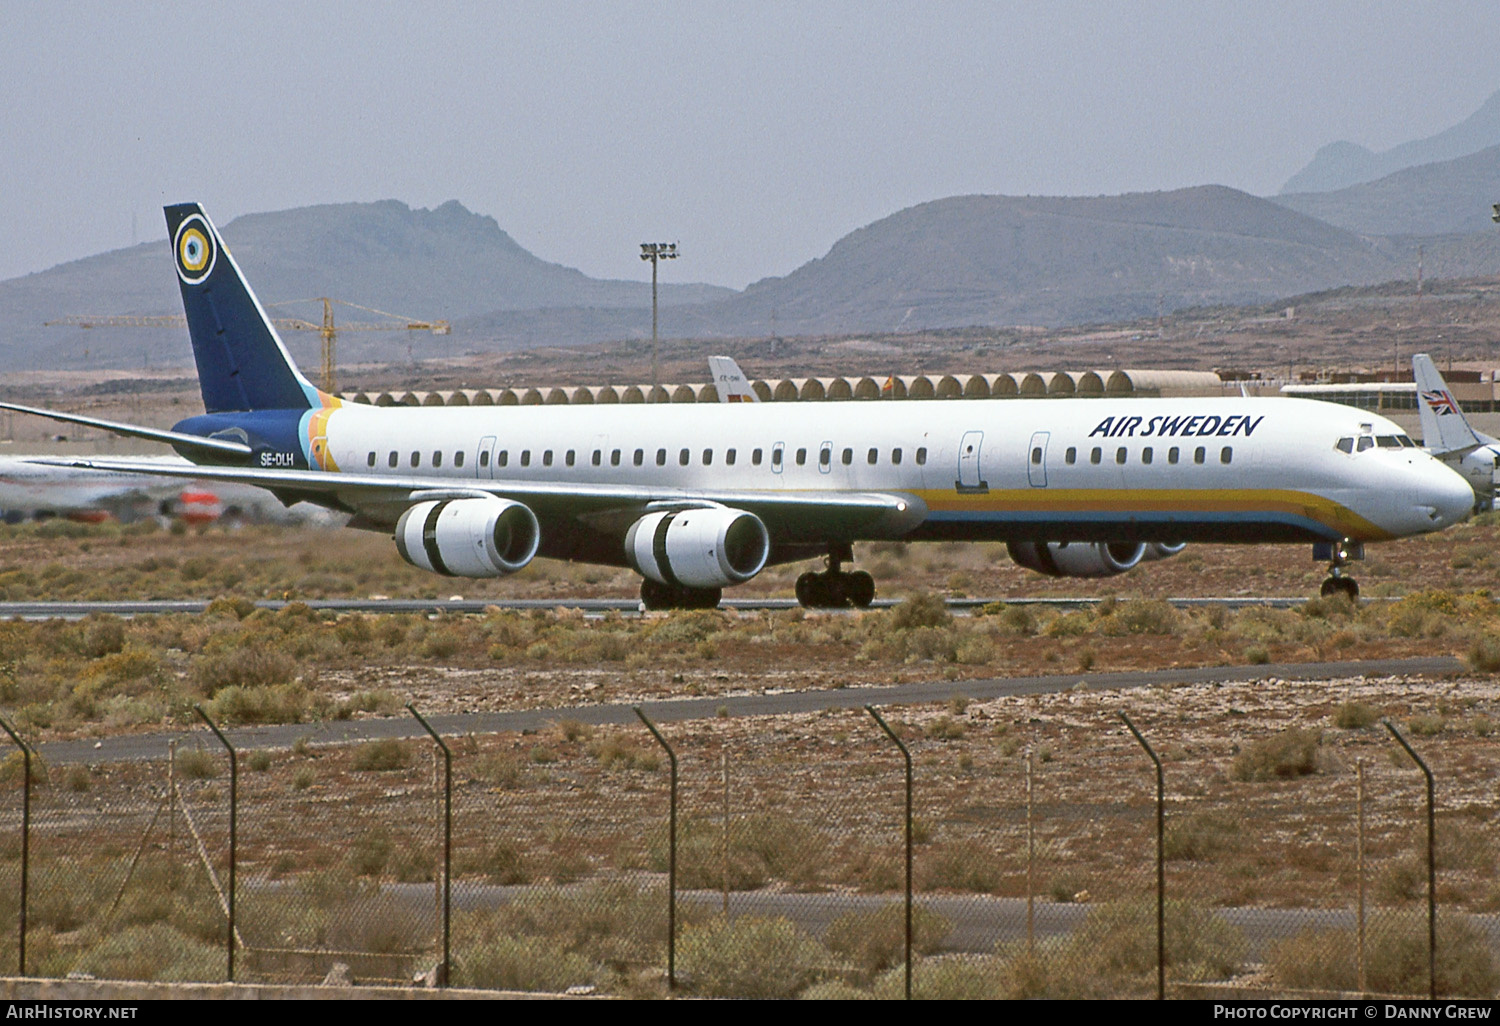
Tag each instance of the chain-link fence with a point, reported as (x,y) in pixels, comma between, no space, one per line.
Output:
(1289,866)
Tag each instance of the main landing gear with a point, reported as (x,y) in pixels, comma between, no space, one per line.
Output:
(655,595)
(1338,555)
(833,588)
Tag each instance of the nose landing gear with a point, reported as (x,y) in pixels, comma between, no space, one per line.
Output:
(1338,555)
(833,588)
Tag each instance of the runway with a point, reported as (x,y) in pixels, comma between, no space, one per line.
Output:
(590,606)
(154,746)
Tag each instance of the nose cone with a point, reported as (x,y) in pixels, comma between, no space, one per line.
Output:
(1446,497)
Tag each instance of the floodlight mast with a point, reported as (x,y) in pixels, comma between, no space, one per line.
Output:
(655,251)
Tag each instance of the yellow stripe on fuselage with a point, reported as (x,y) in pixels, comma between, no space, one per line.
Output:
(1063,501)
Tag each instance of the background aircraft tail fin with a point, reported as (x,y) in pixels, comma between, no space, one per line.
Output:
(1444,427)
(242,362)
(730,381)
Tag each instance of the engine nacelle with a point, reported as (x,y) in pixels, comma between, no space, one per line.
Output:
(478,537)
(1077,559)
(698,548)
(1163,550)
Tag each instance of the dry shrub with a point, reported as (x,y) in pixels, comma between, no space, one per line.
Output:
(750,958)
(967,866)
(197,764)
(1395,959)
(920,610)
(381,756)
(1355,716)
(1202,835)
(950,978)
(1289,753)
(282,703)
(874,941)
(1141,616)
(249,665)
(616,753)
(494,961)
(1483,655)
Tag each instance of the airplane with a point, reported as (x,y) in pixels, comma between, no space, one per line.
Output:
(1448,435)
(696,498)
(730,382)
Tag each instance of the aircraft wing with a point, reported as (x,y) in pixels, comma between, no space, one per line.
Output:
(382,498)
(219,446)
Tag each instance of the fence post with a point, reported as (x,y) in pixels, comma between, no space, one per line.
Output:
(671,853)
(1431,862)
(905,754)
(1161,871)
(25,831)
(1359,852)
(447,841)
(234,802)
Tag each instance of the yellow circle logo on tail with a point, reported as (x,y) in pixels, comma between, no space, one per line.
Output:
(195,250)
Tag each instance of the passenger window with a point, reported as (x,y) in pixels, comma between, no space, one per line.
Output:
(598,459)
(416,459)
(661,457)
(873,456)
(1345,445)
(614,458)
(437,459)
(1365,442)
(458,458)
(569,458)
(729,457)
(801,457)
(1071,456)
(683,457)
(391,462)
(922,456)
(1120,455)
(1036,456)
(525,457)
(708,457)
(755,457)
(825,457)
(1096,455)
(776,457)
(547,457)
(1172,455)
(640,457)
(1226,454)
(848,457)
(895,457)
(1146,455)
(504,458)
(1198,454)
(371,461)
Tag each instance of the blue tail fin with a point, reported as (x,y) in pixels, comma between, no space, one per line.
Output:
(242,363)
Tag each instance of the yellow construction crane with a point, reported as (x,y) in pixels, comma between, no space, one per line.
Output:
(327,330)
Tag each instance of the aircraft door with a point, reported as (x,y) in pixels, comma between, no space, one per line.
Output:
(969,479)
(1036,459)
(484,457)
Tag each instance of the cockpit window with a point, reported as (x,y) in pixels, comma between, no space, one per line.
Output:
(1365,442)
(1388,442)
(1345,444)
(1406,442)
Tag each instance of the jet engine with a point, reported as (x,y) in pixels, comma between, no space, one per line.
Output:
(698,548)
(1162,550)
(1077,559)
(478,537)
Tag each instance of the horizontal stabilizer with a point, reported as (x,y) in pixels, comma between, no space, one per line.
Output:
(221,446)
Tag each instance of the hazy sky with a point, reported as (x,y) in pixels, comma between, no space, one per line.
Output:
(755,133)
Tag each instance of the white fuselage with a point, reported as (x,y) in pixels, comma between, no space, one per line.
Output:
(1233,469)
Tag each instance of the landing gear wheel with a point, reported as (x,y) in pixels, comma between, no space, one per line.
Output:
(1345,586)
(655,595)
(861,589)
